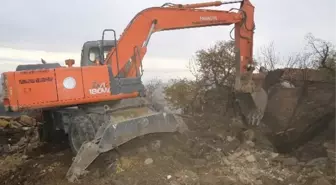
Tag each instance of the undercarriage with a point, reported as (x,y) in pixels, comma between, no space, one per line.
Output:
(95,129)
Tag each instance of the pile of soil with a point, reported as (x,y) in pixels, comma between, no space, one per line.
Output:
(18,134)
(213,151)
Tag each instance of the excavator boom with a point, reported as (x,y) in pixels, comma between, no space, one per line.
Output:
(137,34)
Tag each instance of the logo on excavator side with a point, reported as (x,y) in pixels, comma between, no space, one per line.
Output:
(208,18)
(99,88)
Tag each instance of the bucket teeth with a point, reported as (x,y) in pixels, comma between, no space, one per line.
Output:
(252,98)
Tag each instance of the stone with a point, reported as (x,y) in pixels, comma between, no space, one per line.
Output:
(148,161)
(4,123)
(249,135)
(235,155)
(229,138)
(274,155)
(24,157)
(250,143)
(156,145)
(250,158)
(26,120)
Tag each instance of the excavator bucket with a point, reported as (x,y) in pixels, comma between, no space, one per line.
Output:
(120,124)
(251,97)
(252,105)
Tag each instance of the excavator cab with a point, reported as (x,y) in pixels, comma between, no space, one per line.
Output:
(91,51)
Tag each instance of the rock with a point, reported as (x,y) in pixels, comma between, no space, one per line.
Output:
(4,123)
(250,158)
(7,118)
(26,120)
(156,145)
(321,181)
(13,148)
(220,136)
(291,161)
(235,155)
(226,162)
(250,143)
(15,124)
(249,135)
(274,155)
(229,138)
(169,177)
(246,153)
(317,161)
(25,128)
(148,161)
(329,145)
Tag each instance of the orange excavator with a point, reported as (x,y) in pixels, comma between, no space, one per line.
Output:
(100,105)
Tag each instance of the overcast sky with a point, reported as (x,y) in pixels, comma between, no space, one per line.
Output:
(55,30)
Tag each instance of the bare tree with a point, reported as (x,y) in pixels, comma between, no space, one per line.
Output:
(322,52)
(268,58)
(151,86)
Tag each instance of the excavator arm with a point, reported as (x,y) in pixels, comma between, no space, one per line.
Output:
(134,40)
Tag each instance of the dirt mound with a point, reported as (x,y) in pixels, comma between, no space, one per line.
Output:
(211,153)
(300,105)
(216,150)
(18,134)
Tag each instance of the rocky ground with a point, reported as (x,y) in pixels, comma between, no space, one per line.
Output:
(214,151)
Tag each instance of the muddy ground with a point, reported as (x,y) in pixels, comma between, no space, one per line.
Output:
(212,152)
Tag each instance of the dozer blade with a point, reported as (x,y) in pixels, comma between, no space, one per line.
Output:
(117,129)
